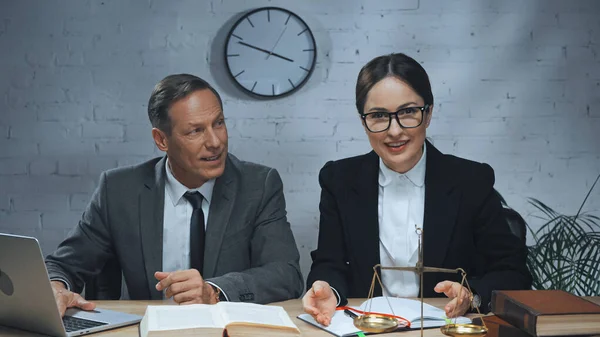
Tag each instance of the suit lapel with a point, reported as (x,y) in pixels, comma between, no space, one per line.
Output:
(441,206)
(363,218)
(221,206)
(152,200)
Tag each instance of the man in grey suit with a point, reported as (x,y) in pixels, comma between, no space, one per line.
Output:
(149,219)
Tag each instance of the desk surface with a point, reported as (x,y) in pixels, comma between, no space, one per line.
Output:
(293,307)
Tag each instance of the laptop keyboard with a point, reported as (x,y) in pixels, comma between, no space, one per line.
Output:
(74,323)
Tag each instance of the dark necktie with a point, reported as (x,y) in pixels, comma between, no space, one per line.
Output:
(196,231)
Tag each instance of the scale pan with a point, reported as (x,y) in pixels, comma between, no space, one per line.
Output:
(464,330)
(376,323)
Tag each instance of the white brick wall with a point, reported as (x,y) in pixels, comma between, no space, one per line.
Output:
(516,84)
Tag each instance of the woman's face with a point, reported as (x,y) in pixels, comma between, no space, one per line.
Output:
(399,148)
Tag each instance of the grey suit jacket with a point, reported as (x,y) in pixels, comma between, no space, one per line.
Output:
(250,251)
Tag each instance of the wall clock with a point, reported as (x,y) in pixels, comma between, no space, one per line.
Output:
(270,52)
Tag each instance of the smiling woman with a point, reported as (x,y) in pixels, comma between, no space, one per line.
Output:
(404,183)
(399,145)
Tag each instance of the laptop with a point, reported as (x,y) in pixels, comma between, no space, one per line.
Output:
(27,301)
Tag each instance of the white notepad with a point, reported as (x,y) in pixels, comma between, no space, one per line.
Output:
(342,325)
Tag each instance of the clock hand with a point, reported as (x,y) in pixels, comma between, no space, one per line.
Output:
(265,51)
(276,42)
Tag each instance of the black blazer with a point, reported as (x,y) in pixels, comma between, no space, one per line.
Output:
(463,227)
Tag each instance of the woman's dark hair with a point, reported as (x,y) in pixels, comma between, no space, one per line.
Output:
(398,65)
(169,90)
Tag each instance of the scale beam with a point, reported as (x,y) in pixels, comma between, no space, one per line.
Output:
(421,269)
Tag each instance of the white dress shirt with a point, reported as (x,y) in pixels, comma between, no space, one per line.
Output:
(176,222)
(401,206)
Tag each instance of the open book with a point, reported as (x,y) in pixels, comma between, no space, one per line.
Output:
(342,325)
(238,319)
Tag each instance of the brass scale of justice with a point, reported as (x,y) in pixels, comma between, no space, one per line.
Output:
(378,323)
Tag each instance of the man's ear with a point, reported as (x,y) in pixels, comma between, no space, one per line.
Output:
(160,139)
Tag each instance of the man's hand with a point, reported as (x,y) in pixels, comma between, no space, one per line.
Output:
(458,306)
(186,287)
(320,302)
(66,299)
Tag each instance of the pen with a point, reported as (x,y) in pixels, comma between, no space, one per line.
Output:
(350,314)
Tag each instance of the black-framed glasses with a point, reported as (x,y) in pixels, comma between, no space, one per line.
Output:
(407,118)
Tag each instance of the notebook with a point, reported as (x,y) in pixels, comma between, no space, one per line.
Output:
(342,325)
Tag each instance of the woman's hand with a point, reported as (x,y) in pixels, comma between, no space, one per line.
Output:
(458,306)
(320,302)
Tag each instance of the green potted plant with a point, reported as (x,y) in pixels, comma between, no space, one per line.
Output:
(566,253)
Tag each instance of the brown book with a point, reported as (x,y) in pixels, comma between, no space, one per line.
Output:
(217,320)
(547,312)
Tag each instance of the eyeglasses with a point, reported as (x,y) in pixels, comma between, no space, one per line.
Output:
(407,118)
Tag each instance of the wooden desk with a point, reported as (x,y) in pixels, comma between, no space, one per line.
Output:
(293,307)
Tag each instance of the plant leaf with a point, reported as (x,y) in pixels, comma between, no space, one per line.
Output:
(566,253)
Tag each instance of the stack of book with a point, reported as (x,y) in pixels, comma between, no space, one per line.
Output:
(523,313)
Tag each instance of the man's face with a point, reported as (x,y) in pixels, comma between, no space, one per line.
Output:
(197,145)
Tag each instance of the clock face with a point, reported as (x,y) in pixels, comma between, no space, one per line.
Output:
(270,52)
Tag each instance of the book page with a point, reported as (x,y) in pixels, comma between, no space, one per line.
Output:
(233,312)
(175,317)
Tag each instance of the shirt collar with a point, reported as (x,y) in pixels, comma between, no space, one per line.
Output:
(415,175)
(176,189)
